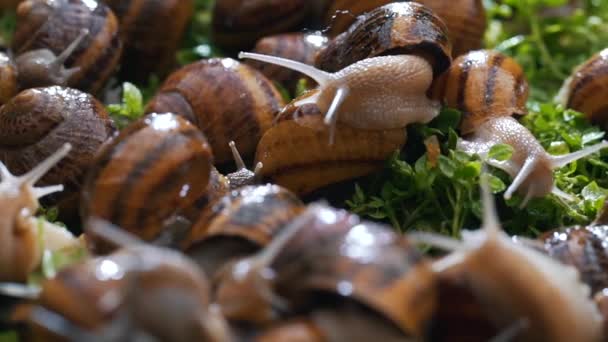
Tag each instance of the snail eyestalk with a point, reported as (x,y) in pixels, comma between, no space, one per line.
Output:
(321,77)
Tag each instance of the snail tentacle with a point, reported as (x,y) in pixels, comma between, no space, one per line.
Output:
(319,76)
(561,161)
(331,117)
(521,177)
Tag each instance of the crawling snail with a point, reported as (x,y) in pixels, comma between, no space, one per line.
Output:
(21,231)
(227,100)
(334,257)
(584,90)
(488,121)
(37,122)
(139,292)
(520,286)
(357,94)
(161,154)
(66,42)
(150,47)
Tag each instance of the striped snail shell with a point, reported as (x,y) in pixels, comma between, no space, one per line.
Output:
(301,47)
(156,167)
(354,152)
(584,91)
(483,84)
(55,25)
(227,100)
(8,78)
(238,24)
(152,31)
(465,19)
(37,122)
(156,292)
(242,222)
(393,29)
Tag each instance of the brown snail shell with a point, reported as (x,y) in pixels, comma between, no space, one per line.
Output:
(156,167)
(54,25)
(585,90)
(151,45)
(301,47)
(393,29)
(227,100)
(158,291)
(240,223)
(465,19)
(37,122)
(483,84)
(317,164)
(238,24)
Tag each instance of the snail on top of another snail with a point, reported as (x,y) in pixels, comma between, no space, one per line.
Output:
(489,87)
(521,288)
(376,88)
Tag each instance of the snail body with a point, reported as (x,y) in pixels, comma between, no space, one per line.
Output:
(520,283)
(20,231)
(157,292)
(227,100)
(161,154)
(583,91)
(149,46)
(82,35)
(37,122)
(530,166)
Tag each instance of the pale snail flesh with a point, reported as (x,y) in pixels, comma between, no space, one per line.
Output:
(526,291)
(530,165)
(20,230)
(377,93)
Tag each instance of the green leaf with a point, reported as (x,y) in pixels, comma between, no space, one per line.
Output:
(131,107)
(496,184)
(501,152)
(9,336)
(447,166)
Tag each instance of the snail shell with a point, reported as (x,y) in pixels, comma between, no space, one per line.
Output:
(301,47)
(584,90)
(227,100)
(37,122)
(154,168)
(583,247)
(157,291)
(151,45)
(393,29)
(465,19)
(484,84)
(54,25)
(238,24)
(353,154)
(8,78)
(242,222)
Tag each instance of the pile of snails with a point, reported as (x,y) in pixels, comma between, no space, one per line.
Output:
(182,249)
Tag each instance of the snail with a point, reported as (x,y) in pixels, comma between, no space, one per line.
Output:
(583,90)
(242,176)
(301,47)
(8,78)
(24,237)
(483,84)
(240,223)
(227,100)
(139,292)
(150,47)
(530,166)
(83,35)
(238,24)
(326,253)
(357,95)
(519,286)
(143,177)
(37,122)
(465,19)
(354,153)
